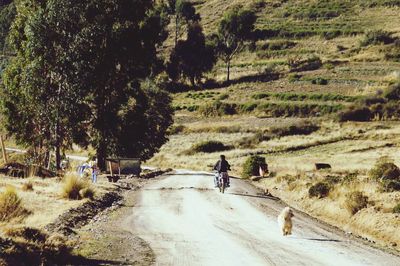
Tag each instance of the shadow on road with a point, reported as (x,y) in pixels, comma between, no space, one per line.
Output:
(319,239)
(256,196)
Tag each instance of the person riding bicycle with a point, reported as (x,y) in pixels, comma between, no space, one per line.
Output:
(222,166)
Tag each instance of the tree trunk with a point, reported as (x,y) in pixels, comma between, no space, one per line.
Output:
(176,30)
(228,68)
(101,156)
(57,147)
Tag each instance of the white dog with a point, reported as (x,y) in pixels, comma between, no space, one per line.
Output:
(285,221)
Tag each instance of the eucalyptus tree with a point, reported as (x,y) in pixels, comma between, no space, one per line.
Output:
(78,76)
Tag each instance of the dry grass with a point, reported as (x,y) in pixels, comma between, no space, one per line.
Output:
(76,188)
(11,205)
(27,186)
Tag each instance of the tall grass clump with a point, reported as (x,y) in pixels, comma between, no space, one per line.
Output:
(75,188)
(27,186)
(319,190)
(387,174)
(210,146)
(356,201)
(11,205)
(251,166)
(377,37)
(304,128)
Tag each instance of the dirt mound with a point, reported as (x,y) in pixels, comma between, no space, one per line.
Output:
(81,215)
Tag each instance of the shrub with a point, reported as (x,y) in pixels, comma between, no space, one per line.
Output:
(294,77)
(210,146)
(377,37)
(393,92)
(11,205)
(252,165)
(247,107)
(383,169)
(319,81)
(356,201)
(176,129)
(72,186)
(218,108)
(252,141)
(319,190)
(260,96)
(305,128)
(396,209)
(310,63)
(87,193)
(28,186)
(390,185)
(355,113)
(223,97)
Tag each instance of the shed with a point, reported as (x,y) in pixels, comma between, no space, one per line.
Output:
(123,166)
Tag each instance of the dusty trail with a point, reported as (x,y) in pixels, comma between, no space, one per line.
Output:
(187,222)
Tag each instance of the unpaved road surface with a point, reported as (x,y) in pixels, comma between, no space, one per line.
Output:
(185,221)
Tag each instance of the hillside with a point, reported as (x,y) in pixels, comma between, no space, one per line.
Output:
(311,61)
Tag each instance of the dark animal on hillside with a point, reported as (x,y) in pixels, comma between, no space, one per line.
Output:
(319,166)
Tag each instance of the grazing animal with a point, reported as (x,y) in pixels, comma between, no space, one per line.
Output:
(319,166)
(285,221)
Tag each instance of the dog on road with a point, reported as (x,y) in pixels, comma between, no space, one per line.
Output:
(285,221)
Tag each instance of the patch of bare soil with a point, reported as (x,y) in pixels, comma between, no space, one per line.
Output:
(107,241)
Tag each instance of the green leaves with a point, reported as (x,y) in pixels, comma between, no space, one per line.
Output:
(77,76)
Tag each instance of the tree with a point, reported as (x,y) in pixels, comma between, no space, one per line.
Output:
(87,60)
(234,30)
(7,14)
(42,110)
(184,13)
(191,57)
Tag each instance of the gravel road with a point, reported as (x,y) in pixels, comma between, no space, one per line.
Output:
(186,221)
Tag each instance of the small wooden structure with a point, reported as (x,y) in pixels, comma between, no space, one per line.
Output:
(123,166)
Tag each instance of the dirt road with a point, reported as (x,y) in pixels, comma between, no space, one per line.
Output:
(188,222)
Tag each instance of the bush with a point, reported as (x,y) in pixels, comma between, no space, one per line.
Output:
(311,63)
(355,113)
(356,201)
(260,96)
(28,186)
(210,146)
(218,108)
(305,128)
(393,92)
(319,190)
(377,37)
(247,107)
(385,169)
(252,165)
(72,186)
(176,129)
(390,185)
(319,81)
(87,193)
(11,205)
(396,209)
(223,97)
(294,77)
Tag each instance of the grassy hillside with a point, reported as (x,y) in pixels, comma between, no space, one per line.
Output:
(310,61)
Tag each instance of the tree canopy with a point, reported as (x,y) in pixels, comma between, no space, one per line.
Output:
(235,28)
(78,76)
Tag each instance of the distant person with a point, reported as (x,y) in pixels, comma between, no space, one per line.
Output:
(222,166)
